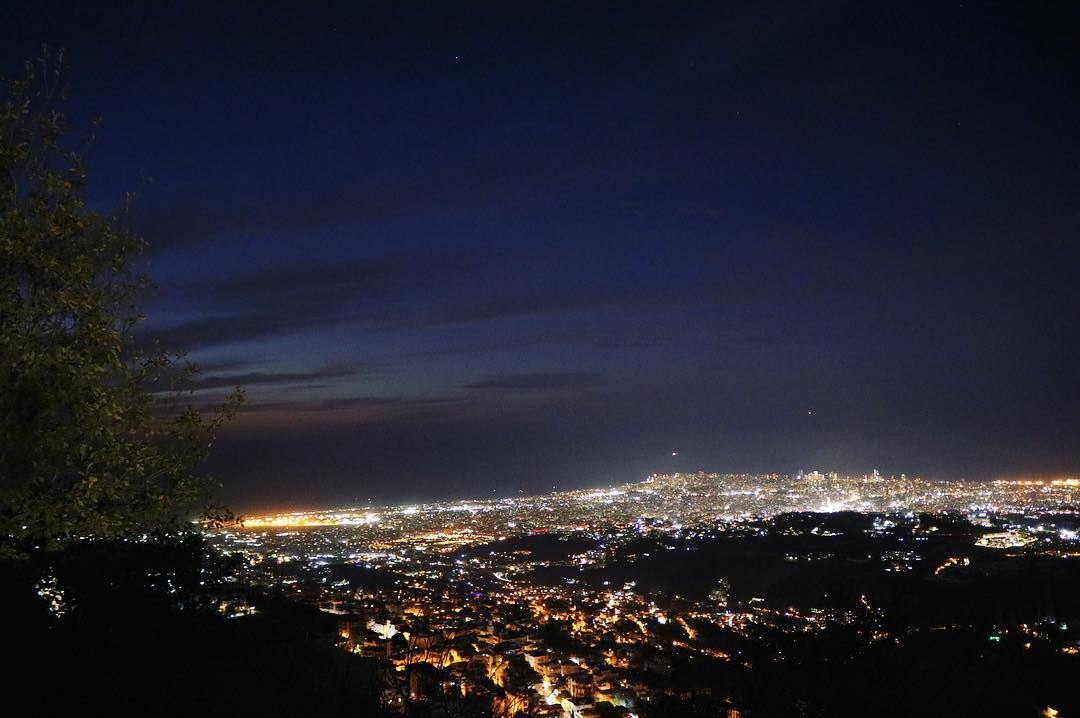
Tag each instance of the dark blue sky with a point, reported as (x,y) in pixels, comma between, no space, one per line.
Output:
(452,250)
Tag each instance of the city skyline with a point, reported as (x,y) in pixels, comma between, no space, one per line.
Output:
(455,250)
(762,496)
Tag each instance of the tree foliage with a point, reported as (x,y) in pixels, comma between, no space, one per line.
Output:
(98,436)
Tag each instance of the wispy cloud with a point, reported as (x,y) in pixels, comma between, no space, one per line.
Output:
(341,411)
(285,300)
(366,402)
(535,381)
(261,378)
(218,330)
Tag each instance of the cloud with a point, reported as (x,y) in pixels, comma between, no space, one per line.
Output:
(286,300)
(366,402)
(361,403)
(316,283)
(341,411)
(474,181)
(218,330)
(183,222)
(232,363)
(253,378)
(518,304)
(535,381)
(270,304)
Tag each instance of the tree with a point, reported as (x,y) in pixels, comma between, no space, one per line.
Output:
(98,436)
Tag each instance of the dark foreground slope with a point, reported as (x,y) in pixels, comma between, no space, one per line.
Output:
(124,647)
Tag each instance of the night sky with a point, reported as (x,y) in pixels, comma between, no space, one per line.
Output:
(471,250)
